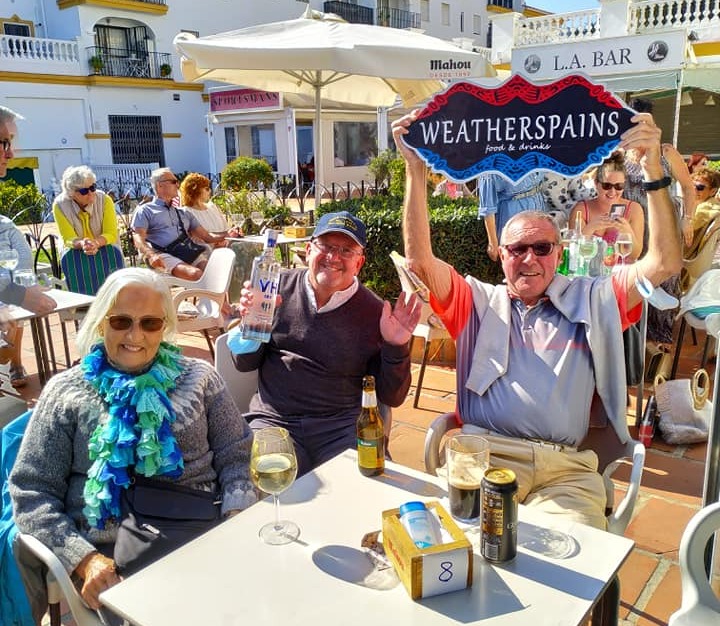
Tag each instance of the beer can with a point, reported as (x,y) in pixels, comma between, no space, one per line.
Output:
(499,515)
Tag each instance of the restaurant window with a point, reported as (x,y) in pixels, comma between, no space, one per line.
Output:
(355,143)
(230,144)
(262,137)
(477,24)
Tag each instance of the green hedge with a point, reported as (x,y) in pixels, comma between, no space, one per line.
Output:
(458,237)
(24,203)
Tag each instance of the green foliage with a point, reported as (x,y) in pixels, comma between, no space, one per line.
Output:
(379,166)
(458,237)
(24,204)
(714,165)
(243,202)
(246,172)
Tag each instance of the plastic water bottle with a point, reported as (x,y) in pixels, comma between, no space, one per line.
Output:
(264,282)
(418,523)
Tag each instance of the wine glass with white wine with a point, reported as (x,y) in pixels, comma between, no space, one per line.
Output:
(273,468)
(9,259)
(587,249)
(624,245)
(257,218)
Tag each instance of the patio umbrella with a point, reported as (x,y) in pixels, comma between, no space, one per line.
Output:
(323,55)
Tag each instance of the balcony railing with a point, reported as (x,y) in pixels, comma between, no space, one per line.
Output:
(557,28)
(129,63)
(35,49)
(652,14)
(350,12)
(397,18)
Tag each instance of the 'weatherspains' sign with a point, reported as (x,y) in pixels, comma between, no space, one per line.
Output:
(519,127)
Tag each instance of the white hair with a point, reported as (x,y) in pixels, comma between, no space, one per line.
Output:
(156,175)
(8,115)
(89,333)
(76,177)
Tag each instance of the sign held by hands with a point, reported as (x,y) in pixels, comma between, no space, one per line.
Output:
(565,127)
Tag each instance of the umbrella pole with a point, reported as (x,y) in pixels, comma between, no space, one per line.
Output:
(317,151)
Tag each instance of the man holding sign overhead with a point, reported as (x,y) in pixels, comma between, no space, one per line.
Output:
(533,352)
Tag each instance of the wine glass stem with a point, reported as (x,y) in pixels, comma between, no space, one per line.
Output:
(276,500)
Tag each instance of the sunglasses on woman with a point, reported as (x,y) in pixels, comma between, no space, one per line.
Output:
(125,322)
(700,187)
(615,186)
(84,191)
(541,248)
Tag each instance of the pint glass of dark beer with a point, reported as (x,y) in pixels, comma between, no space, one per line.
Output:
(468,456)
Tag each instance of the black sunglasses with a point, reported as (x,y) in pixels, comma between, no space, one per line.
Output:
(541,248)
(125,322)
(700,187)
(616,186)
(84,191)
(5,145)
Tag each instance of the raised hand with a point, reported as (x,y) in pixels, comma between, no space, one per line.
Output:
(398,323)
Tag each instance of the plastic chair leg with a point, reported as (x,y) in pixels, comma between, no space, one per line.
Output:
(426,350)
(678,347)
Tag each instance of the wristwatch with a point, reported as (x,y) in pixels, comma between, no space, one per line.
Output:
(654,185)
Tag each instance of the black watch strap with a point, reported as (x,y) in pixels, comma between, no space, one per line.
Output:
(654,185)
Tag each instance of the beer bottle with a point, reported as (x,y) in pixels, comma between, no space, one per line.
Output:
(264,282)
(370,433)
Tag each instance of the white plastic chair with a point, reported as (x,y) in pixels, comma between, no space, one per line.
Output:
(208,293)
(699,605)
(429,327)
(59,585)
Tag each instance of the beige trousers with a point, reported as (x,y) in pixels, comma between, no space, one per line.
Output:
(558,482)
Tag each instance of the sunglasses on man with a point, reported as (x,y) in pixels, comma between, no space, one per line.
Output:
(84,191)
(540,248)
(125,322)
(615,186)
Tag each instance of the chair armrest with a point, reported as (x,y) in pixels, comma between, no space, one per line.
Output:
(58,578)
(619,519)
(439,426)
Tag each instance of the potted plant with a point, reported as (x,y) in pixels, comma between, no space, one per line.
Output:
(97,63)
(165,70)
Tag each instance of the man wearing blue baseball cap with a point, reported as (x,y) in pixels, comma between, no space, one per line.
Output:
(329,331)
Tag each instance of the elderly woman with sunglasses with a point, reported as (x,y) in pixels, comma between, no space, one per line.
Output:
(610,213)
(134,403)
(85,216)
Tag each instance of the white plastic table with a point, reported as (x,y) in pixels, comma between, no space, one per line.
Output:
(229,577)
(42,337)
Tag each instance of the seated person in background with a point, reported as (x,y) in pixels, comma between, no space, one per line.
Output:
(329,331)
(707,183)
(561,194)
(30,298)
(12,239)
(85,216)
(158,223)
(451,190)
(595,214)
(71,468)
(534,351)
(500,199)
(195,192)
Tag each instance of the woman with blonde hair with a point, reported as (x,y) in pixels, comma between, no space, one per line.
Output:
(610,213)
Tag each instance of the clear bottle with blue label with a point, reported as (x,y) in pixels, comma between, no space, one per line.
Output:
(419,524)
(264,282)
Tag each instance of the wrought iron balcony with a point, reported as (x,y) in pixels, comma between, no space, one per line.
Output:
(350,12)
(397,18)
(129,63)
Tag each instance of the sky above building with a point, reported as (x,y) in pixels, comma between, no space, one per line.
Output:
(564,6)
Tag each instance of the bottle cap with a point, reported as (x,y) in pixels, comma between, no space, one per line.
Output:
(412,506)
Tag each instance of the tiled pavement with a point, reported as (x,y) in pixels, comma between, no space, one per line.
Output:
(670,494)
